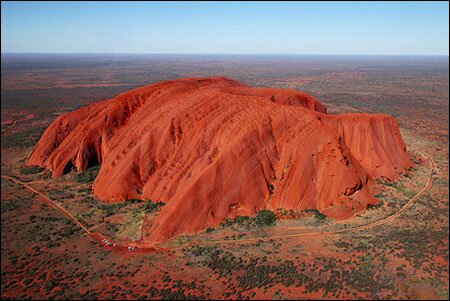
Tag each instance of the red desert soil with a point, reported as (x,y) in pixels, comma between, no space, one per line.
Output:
(214,148)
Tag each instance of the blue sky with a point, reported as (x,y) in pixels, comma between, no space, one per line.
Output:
(394,28)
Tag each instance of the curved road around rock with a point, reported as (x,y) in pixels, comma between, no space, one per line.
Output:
(99,238)
(354,229)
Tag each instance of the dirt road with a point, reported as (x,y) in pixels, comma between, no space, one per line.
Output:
(93,236)
(97,237)
(10,127)
(358,228)
(51,203)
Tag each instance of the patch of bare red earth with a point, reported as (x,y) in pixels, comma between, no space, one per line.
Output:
(214,148)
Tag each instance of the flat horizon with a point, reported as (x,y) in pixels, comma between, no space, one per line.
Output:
(218,53)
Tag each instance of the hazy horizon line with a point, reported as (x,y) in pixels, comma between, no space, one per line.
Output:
(218,53)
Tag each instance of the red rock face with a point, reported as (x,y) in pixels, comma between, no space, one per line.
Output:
(213,148)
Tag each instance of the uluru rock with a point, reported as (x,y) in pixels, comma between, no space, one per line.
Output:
(214,148)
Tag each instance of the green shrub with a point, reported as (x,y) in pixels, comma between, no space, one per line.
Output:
(262,218)
(87,176)
(265,218)
(151,207)
(30,170)
(317,214)
(378,205)
(238,220)
(133,201)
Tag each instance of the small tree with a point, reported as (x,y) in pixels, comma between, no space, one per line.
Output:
(265,218)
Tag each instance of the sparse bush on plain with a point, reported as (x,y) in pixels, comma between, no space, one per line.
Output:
(30,170)
(87,176)
(263,218)
(317,214)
